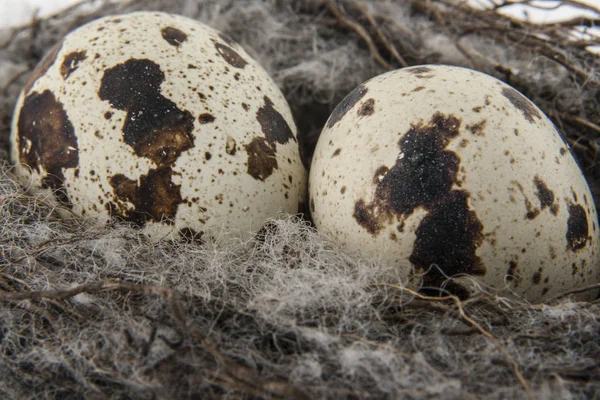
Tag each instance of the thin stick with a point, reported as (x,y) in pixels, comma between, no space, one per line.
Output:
(47,245)
(242,375)
(360,31)
(475,324)
(56,294)
(382,38)
(574,291)
(440,19)
(578,120)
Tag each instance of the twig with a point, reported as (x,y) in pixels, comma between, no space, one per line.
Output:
(542,47)
(576,119)
(12,278)
(475,324)
(48,245)
(380,36)
(574,291)
(360,31)
(57,294)
(440,20)
(242,375)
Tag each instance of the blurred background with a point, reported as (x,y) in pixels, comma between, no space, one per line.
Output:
(20,12)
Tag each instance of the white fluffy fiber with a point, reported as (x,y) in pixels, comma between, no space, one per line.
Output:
(287,303)
(286,314)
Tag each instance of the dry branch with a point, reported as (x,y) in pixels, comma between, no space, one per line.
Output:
(240,377)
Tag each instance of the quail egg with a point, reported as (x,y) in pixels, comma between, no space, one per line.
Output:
(161,121)
(455,179)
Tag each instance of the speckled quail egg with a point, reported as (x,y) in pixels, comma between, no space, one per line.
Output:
(159,120)
(447,174)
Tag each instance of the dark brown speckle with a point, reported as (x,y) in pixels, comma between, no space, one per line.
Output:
(155,198)
(477,129)
(154,127)
(553,254)
(261,158)
(206,118)
(71,63)
(512,274)
(173,36)
(418,70)
(532,214)
(272,123)
(367,108)
(448,237)
(577,228)
(545,195)
(47,140)
(450,233)
(231,56)
(522,103)
(423,176)
(261,151)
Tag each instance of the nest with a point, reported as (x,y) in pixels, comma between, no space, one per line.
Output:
(102,313)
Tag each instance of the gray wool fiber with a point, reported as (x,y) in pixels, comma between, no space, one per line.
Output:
(103,313)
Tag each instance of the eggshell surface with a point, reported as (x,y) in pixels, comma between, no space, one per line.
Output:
(447,174)
(162,121)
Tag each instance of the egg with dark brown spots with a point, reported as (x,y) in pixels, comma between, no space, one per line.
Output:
(455,180)
(160,121)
